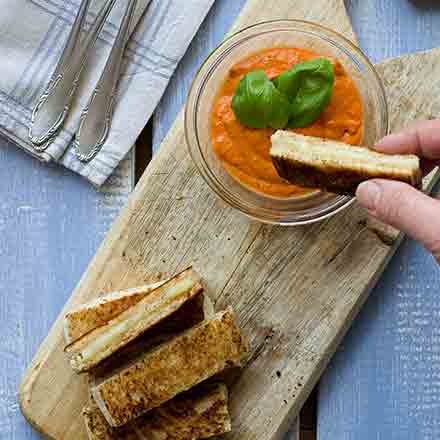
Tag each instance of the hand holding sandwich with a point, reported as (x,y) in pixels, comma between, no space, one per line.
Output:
(399,204)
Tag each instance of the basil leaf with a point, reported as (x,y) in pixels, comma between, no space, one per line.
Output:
(257,103)
(309,87)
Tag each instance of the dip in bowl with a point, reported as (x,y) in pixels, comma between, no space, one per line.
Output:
(234,160)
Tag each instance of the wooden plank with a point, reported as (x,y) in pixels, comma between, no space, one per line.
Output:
(211,33)
(218,22)
(384,381)
(51,224)
(294,302)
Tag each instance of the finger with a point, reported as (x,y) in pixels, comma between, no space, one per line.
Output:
(422,139)
(405,208)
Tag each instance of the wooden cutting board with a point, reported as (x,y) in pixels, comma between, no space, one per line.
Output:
(295,290)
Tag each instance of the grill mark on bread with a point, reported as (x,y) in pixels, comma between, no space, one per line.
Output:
(199,413)
(190,314)
(171,368)
(102,342)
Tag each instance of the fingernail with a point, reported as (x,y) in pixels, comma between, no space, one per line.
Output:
(368,195)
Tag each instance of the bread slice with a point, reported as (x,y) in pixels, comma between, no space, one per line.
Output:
(337,167)
(98,428)
(170,369)
(198,414)
(189,315)
(87,317)
(99,344)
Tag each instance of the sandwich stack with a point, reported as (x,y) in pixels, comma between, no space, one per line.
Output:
(152,355)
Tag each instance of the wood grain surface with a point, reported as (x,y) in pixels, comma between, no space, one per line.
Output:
(384,381)
(294,302)
(212,31)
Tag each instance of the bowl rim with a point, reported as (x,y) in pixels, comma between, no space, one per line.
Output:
(340,202)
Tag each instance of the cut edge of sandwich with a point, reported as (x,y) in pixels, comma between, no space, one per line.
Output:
(102,342)
(314,162)
(195,311)
(86,317)
(215,345)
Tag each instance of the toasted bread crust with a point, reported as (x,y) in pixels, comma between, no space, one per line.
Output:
(197,414)
(335,180)
(190,314)
(87,352)
(87,317)
(200,413)
(98,428)
(343,178)
(170,369)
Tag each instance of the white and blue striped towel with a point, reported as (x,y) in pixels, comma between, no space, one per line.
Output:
(32,37)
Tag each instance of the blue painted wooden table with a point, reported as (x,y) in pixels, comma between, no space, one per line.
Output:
(51,223)
(384,383)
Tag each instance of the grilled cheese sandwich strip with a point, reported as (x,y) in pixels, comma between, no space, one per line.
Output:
(85,318)
(198,414)
(170,369)
(189,315)
(337,167)
(102,342)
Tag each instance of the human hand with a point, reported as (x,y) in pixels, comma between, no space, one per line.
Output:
(399,204)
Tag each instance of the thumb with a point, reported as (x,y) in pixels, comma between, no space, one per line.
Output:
(405,208)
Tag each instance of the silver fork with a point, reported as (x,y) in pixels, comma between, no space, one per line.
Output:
(54,104)
(97,115)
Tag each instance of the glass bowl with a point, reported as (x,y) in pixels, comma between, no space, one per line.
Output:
(297,210)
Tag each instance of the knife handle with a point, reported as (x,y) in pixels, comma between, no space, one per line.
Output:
(97,115)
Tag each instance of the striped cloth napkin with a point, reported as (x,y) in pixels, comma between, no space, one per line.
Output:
(32,37)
